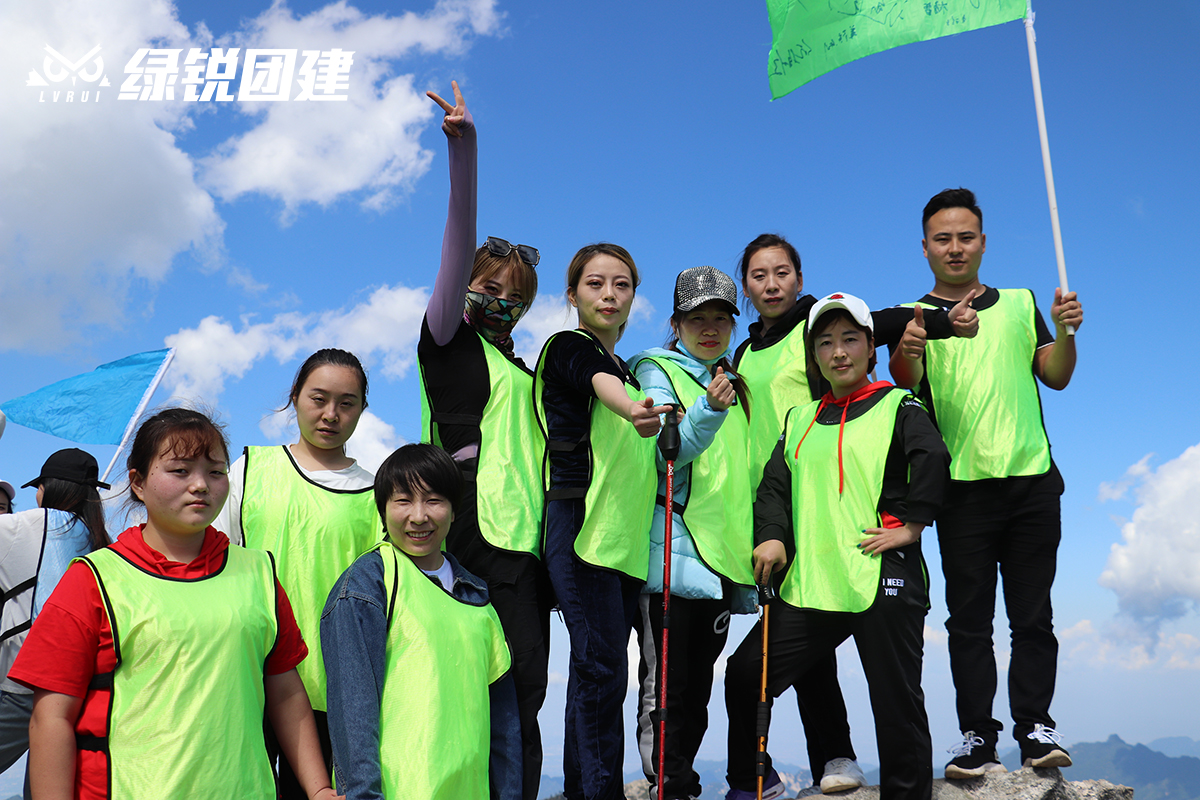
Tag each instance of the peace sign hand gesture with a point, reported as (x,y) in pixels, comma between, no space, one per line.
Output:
(455,114)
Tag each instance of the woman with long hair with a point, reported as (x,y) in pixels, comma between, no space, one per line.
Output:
(711,535)
(35,548)
(773,364)
(599,501)
(311,505)
(158,660)
(838,516)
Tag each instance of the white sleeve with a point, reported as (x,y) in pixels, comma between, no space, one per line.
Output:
(229,521)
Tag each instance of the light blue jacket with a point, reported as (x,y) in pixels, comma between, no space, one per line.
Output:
(690,578)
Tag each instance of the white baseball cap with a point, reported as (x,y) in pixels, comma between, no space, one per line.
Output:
(856,307)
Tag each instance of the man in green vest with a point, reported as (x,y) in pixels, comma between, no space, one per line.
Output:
(1003,508)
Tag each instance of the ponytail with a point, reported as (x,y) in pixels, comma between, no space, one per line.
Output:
(739,386)
(81,501)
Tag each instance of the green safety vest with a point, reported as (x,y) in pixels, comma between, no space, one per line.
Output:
(509,494)
(619,499)
(719,512)
(314,533)
(829,572)
(186,714)
(435,713)
(777,379)
(985,396)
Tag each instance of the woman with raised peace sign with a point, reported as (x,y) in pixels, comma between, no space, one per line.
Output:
(477,404)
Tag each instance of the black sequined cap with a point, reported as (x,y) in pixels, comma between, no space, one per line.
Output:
(698,285)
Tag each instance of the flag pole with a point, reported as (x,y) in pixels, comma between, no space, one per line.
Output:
(145,401)
(1031,40)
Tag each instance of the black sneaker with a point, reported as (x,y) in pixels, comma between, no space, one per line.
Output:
(973,757)
(1041,749)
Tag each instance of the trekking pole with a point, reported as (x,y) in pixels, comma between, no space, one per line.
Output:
(765,595)
(668,445)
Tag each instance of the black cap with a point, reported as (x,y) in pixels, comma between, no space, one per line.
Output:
(72,465)
(698,285)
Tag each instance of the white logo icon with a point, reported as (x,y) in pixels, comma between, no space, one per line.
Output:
(56,68)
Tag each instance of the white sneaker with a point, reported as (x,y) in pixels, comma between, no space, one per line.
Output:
(842,774)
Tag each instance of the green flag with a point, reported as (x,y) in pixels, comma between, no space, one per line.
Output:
(812,37)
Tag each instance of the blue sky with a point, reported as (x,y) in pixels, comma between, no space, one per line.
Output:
(250,236)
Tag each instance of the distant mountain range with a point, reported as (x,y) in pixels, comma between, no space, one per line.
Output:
(1166,769)
(1152,774)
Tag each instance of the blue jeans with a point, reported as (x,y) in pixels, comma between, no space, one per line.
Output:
(15,711)
(598,607)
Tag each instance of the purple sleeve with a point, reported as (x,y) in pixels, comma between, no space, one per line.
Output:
(445,309)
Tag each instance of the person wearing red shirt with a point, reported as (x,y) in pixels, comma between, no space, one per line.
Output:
(177,468)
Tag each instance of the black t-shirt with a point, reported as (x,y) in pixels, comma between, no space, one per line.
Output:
(456,382)
(571,361)
(889,324)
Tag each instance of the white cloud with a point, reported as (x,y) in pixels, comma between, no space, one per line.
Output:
(1123,644)
(320,151)
(213,351)
(373,441)
(1155,572)
(382,329)
(388,323)
(97,198)
(548,315)
(1080,630)
(280,427)
(1116,491)
(552,313)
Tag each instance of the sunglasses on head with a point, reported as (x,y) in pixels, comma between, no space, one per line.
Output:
(500,248)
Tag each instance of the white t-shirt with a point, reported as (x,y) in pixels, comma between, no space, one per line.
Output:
(444,574)
(229,521)
(38,542)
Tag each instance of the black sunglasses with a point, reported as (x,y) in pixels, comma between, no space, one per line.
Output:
(500,248)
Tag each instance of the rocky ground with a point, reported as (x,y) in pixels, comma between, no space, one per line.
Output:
(1025,784)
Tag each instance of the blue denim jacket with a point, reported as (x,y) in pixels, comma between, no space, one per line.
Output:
(354,641)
